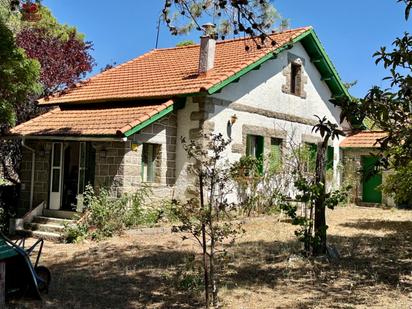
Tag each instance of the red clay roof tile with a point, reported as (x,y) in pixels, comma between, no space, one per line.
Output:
(363,139)
(169,72)
(89,120)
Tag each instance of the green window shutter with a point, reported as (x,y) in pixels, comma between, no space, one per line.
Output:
(150,163)
(275,154)
(259,151)
(329,158)
(312,153)
(250,141)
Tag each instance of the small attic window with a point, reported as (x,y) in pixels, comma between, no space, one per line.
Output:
(295,78)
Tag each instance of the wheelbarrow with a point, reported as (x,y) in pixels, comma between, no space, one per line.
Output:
(23,279)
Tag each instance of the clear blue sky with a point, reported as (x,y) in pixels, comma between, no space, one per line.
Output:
(351,30)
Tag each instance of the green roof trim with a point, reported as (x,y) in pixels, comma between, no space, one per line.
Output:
(149,121)
(316,52)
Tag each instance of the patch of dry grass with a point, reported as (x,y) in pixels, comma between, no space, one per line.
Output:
(139,271)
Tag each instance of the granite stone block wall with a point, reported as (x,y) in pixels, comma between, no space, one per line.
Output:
(109,166)
(352,174)
(162,133)
(41,174)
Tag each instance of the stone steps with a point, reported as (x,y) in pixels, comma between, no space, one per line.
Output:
(48,228)
(53,228)
(54,237)
(51,220)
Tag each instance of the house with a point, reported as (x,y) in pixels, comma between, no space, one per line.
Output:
(122,127)
(360,154)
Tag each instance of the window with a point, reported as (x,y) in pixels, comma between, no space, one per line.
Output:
(150,154)
(295,78)
(309,157)
(275,157)
(310,154)
(329,158)
(82,169)
(254,148)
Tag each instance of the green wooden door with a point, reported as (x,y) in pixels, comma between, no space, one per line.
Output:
(371,181)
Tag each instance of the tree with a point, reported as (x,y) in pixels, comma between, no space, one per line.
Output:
(18,75)
(185,43)
(391,109)
(64,62)
(328,131)
(249,17)
(207,216)
(311,197)
(62,57)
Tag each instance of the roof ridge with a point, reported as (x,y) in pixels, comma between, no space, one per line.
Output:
(234,39)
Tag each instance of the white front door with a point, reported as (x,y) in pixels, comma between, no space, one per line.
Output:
(56,176)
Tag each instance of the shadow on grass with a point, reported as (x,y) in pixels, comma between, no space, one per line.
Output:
(367,265)
(109,278)
(141,276)
(404,227)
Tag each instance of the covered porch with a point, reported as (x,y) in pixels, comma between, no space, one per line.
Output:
(72,146)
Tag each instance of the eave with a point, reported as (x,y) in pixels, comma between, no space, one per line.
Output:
(318,57)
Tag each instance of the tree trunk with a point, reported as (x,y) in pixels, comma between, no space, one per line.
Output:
(204,245)
(211,218)
(319,246)
(215,299)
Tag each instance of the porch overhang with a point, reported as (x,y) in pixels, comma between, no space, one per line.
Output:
(93,123)
(73,138)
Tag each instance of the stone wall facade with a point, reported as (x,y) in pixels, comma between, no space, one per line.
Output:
(162,133)
(352,174)
(117,164)
(109,166)
(41,174)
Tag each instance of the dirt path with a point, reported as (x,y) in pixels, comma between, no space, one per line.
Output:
(142,270)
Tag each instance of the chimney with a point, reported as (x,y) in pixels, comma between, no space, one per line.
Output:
(207,49)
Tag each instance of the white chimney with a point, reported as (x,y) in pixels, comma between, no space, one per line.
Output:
(207,49)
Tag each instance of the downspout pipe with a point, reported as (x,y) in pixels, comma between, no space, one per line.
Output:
(33,160)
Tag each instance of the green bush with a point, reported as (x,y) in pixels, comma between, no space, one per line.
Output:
(105,216)
(399,185)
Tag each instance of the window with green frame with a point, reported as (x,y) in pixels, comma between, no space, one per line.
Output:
(310,154)
(254,148)
(329,158)
(312,151)
(275,157)
(150,153)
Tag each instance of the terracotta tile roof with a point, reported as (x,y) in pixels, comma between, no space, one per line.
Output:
(164,73)
(363,139)
(89,121)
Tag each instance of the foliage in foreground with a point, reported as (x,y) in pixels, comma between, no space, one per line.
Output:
(18,74)
(207,217)
(37,58)
(105,216)
(391,110)
(237,17)
(400,182)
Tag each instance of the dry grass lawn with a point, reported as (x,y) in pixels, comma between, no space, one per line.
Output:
(139,271)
